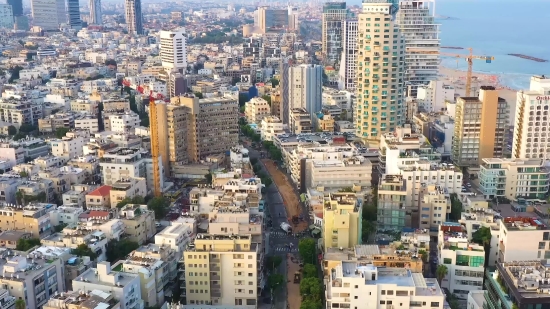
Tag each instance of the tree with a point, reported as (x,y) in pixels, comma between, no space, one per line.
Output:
(267,98)
(456,208)
(367,228)
(311,288)
(272,262)
(208,177)
(138,199)
(306,248)
(84,250)
(60,132)
(423,255)
(199,95)
(118,249)
(441,272)
(482,236)
(20,197)
(274,82)
(24,174)
(275,281)
(160,206)
(60,227)
(243,98)
(26,128)
(12,130)
(311,304)
(20,304)
(26,244)
(310,271)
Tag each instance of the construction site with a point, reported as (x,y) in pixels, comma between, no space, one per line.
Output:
(296,218)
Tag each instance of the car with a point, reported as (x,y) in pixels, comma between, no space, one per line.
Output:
(469,185)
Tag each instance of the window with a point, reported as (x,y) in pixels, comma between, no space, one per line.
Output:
(382,302)
(542,245)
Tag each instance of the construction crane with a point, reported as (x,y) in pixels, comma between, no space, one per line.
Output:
(154,144)
(470,59)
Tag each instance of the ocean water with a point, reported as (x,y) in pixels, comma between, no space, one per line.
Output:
(497,28)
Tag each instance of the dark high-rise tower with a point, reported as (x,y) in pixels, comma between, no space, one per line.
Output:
(16,7)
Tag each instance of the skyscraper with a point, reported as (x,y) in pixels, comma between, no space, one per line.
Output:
(416,22)
(348,62)
(272,19)
(172,50)
(305,87)
(334,15)
(48,14)
(6,16)
(380,67)
(285,108)
(73,12)
(95,12)
(16,7)
(134,19)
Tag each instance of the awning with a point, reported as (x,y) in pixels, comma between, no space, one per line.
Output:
(313,226)
(316,231)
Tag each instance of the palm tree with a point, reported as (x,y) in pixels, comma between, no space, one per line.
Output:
(20,304)
(441,272)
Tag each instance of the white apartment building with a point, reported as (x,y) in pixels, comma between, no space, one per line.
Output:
(121,122)
(531,139)
(73,236)
(256,109)
(123,285)
(416,20)
(514,179)
(173,52)
(19,111)
(523,239)
(65,215)
(270,126)
(433,96)
(341,98)
(475,218)
(34,73)
(121,163)
(359,285)
(87,122)
(150,272)
(6,16)
(239,156)
(127,187)
(304,89)
(348,62)
(245,193)
(68,147)
(464,260)
(177,235)
(435,205)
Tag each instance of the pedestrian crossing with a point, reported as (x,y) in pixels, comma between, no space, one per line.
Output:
(278,234)
(286,249)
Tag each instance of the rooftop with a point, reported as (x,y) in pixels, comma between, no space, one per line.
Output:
(530,279)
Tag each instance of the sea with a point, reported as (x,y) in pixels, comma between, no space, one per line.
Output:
(496,28)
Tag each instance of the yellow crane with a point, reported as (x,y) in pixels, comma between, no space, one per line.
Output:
(154,145)
(470,59)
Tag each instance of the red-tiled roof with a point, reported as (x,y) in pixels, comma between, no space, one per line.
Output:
(101,191)
(99,213)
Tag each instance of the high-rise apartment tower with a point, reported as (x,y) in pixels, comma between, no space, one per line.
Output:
(348,62)
(305,87)
(134,19)
(380,100)
(334,15)
(172,50)
(73,12)
(95,12)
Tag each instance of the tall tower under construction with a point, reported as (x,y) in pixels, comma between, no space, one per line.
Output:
(380,70)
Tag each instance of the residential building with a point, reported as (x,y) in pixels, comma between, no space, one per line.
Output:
(139,222)
(33,279)
(392,213)
(334,15)
(522,238)
(73,10)
(9,238)
(305,87)
(416,20)
(124,286)
(434,207)
(473,141)
(65,215)
(16,6)
(173,53)
(239,156)
(6,16)
(380,78)
(431,98)
(517,284)
(127,188)
(120,163)
(177,235)
(324,122)
(338,103)
(284,85)
(33,219)
(67,147)
(228,274)
(272,20)
(48,14)
(531,117)
(270,127)
(348,63)
(256,109)
(360,285)
(20,111)
(96,17)
(88,123)
(177,85)
(74,235)
(342,220)
(514,179)
(56,121)
(99,198)
(76,300)
(134,19)
(465,261)
(121,122)
(300,121)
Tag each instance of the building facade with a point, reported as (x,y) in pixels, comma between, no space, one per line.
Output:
(134,19)
(305,88)
(73,11)
(173,52)
(348,64)
(334,15)
(96,17)
(48,14)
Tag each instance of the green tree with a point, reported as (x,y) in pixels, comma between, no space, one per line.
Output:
(243,98)
(20,304)
(272,262)
(311,288)
(367,229)
(274,82)
(208,177)
(20,197)
(118,249)
(60,227)
(159,205)
(84,250)
(310,271)
(267,98)
(138,199)
(27,128)
(308,253)
(456,208)
(60,132)
(423,255)
(199,95)
(26,244)
(311,304)
(482,236)
(441,272)
(12,130)
(275,281)
(24,174)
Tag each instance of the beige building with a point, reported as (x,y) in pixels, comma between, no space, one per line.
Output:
(341,220)
(325,123)
(76,300)
(139,222)
(434,206)
(380,72)
(99,198)
(87,122)
(225,268)
(212,125)
(270,126)
(56,121)
(481,125)
(256,109)
(90,107)
(127,188)
(33,219)
(300,121)
(172,120)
